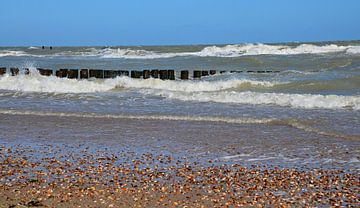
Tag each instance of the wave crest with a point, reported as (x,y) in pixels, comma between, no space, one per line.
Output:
(308,101)
(210,51)
(52,84)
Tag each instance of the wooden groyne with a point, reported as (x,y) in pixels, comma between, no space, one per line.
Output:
(136,74)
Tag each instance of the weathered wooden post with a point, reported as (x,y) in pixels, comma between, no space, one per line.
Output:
(27,71)
(96,73)
(61,73)
(2,70)
(184,74)
(204,73)
(212,72)
(222,72)
(155,73)
(84,74)
(163,74)
(110,74)
(146,74)
(73,74)
(43,72)
(14,71)
(171,74)
(124,73)
(136,74)
(197,74)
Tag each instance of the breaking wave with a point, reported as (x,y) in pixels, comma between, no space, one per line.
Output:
(221,91)
(52,84)
(308,101)
(4,53)
(210,51)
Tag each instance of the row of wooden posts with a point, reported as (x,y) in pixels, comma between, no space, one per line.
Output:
(105,74)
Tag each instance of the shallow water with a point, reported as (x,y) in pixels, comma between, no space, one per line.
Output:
(307,113)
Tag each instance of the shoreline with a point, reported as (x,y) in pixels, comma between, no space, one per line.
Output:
(103,179)
(54,161)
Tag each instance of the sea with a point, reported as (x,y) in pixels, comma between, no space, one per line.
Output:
(304,113)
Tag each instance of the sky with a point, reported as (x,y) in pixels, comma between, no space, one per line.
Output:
(174,22)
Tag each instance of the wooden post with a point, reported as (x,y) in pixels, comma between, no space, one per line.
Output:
(43,72)
(73,74)
(2,70)
(84,74)
(163,74)
(61,73)
(212,72)
(155,73)
(204,73)
(124,73)
(136,74)
(27,71)
(14,71)
(110,74)
(146,74)
(184,74)
(171,74)
(222,72)
(197,74)
(96,73)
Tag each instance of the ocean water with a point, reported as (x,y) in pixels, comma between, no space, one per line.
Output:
(309,111)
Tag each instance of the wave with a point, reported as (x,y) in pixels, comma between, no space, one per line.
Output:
(226,51)
(4,53)
(210,51)
(37,83)
(298,124)
(221,91)
(308,101)
(243,120)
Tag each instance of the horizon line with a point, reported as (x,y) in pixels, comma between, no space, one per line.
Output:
(181,44)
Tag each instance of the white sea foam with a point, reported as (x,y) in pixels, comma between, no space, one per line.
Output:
(210,51)
(223,51)
(256,98)
(243,120)
(353,50)
(12,53)
(201,91)
(37,83)
(190,86)
(33,48)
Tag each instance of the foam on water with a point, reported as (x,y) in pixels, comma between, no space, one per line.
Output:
(38,83)
(227,51)
(243,120)
(201,91)
(4,53)
(52,84)
(280,99)
(210,51)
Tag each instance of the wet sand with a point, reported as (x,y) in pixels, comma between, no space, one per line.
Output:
(70,162)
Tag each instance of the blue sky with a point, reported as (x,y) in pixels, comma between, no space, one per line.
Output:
(168,22)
